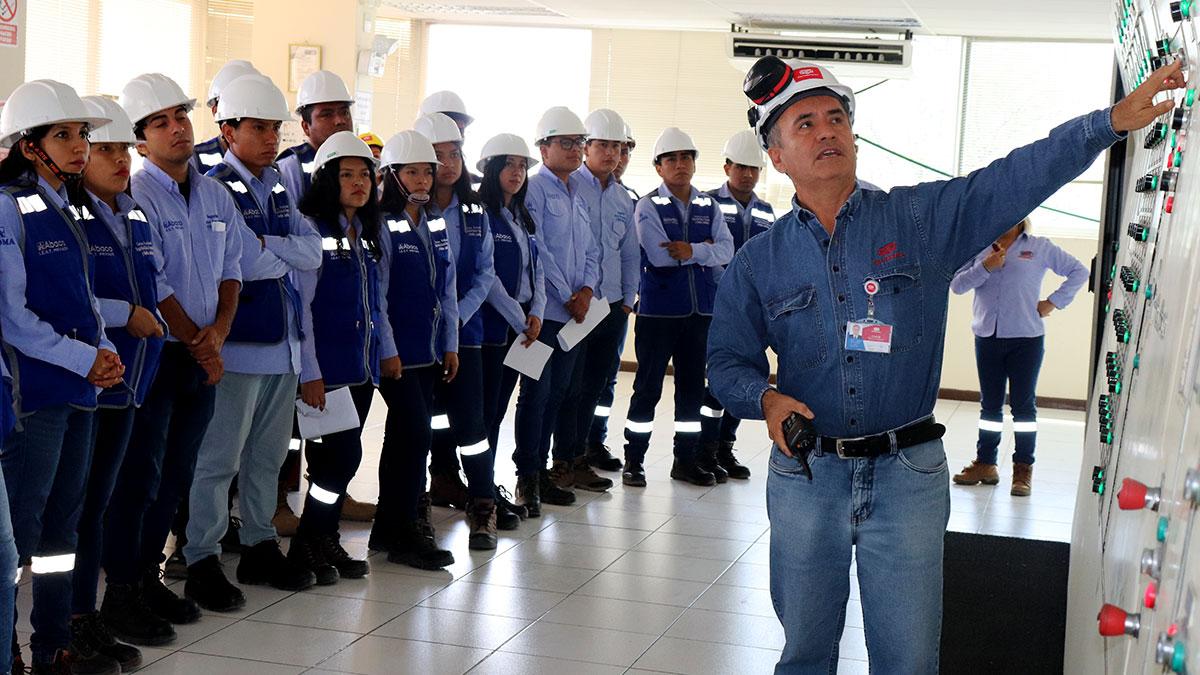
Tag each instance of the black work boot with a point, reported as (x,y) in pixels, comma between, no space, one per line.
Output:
(734,468)
(264,564)
(548,488)
(415,546)
(306,552)
(67,663)
(529,495)
(689,471)
(347,567)
(209,588)
(706,459)
(126,615)
(481,517)
(508,514)
(599,456)
(634,474)
(163,601)
(90,635)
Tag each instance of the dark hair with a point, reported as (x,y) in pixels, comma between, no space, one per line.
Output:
(462,186)
(658,160)
(17,169)
(306,112)
(323,202)
(492,195)
(393,201)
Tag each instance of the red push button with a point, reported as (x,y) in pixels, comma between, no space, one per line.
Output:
(1132,495)
(1151,595)
(1115,621)
(1170,204)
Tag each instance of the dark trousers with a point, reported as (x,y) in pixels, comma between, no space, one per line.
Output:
(332,462)
(406,439)
(113,427)
(499,382)
(1015,363)
(599,429)
(159,462)
(594,367)
(45,466)
(538,405)
(656,342)
(459,426)
(716,422)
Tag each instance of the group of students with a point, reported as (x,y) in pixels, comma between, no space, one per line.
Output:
(158,329)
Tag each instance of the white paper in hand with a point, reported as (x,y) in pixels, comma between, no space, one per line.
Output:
(339,415)
(574,333)
(529,361)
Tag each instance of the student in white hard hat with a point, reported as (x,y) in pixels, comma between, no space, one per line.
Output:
(325,107)
(450,104)
(746,216)
(126,288)
(458,422)
(253,412)
(419,295)
(611,214)
(517,300)
(55,347)
(197,229)
(572,267)
(685,245)
(209,153)
(345,334)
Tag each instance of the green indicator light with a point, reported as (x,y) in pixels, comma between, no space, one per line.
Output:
(1149,291)
(1116,387)
(1145,234)
(1126,336)
(1162,528)
(1179,658)
(1100,489)
(1185,7)
(1112,272)
(1174,138)
(1154,182)
(1106,308)
(1177,158)
(1136,359)
(1189,97)
(1108,438)
(1149,54)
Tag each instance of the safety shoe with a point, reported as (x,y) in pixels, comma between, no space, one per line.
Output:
(307,553)
(163,601)
(1022,483)
(125,614)
(508,514)
(734,468)
(415,546)
(689,471)
(176,565)
(347,567)
(89,635)
(706,459)
(634,474)
(209,588)
(549,487)
(65,663)
(529,495)
(447,489)
(599,456)
(361,512)
(977,473)
(587,479)
(232,541)
(481,518)
(285,520)
(562,474)
(265,565)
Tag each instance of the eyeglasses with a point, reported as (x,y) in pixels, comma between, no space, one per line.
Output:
(568,142)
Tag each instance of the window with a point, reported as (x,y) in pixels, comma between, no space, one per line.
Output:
(397,94)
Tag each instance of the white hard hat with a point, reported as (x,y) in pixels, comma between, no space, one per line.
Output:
(629,136)
(672,139)
(505,144)
(605,125)
(773,84)
(147,94)
(322,87)
(559,121)
(438,128)
(254,97)
(408,147)
(742,148)
(342,144)
(229,72)
(120,130)
(41,102)
(446,102)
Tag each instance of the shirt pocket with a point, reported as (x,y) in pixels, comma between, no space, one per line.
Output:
(795,327)
(557,206)
(900,303)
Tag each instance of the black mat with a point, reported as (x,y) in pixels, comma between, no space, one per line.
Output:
(1005,605)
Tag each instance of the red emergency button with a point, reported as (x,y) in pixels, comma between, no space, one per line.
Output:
(1132,495)
(1172,630)
(1115,621)
(1170,203)
(1151,595)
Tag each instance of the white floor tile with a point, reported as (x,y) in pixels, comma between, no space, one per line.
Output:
(508,663)
(581,643)
(445,626)
(622,615)
(275,643)
(373,655)
(517,603)
(695,657)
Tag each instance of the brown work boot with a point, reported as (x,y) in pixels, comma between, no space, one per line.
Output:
(362,512)
(587,479)
(1022,480)
(285,520)
(562,475)
(481,517)
(978,473)
(447,489)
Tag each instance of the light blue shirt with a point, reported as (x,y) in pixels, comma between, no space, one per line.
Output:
(199,240)
(484,274)
(508,306)
(22,329)
(652,235)
(569,252)
(610,211)
(1006,300)
(116,312)
(275,257)
(293,175)
(449,298)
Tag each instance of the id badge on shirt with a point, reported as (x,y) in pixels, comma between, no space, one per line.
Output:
(869,335)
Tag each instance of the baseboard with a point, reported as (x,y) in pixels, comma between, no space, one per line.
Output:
(1046,402)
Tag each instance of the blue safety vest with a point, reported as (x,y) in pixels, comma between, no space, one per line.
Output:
(679,290)
(507,260)
(208,154)
(417,281)
(127,274)
(58,290)
(470,244)
(762,216)
(262,304)
(345,310)
(307,155)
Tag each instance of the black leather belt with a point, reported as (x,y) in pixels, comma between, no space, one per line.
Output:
(918,432)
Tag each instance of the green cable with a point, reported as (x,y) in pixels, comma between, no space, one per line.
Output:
(949,175)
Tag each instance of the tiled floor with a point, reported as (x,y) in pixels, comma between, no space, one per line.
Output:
(669,578)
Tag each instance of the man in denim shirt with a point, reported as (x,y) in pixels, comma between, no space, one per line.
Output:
(885,495)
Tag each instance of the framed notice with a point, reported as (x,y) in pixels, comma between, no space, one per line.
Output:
(303,60)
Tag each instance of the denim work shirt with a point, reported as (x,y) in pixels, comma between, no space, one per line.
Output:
(1006,300)
(568,251)
(611,212)
(794,287)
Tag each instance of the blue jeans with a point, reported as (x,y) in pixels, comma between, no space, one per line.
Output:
(113,428)
(1014,362)
(891,511)
(45,466)
(538,404)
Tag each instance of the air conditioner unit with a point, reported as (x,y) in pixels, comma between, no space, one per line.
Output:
(846,56)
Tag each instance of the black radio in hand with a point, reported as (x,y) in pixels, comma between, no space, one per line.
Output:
(801,440)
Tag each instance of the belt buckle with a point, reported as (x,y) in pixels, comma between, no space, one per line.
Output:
(838,446)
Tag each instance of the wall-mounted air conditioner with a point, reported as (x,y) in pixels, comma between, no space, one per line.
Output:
(846,56)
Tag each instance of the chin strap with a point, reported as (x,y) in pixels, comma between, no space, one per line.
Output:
(418,198)
(68,179)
